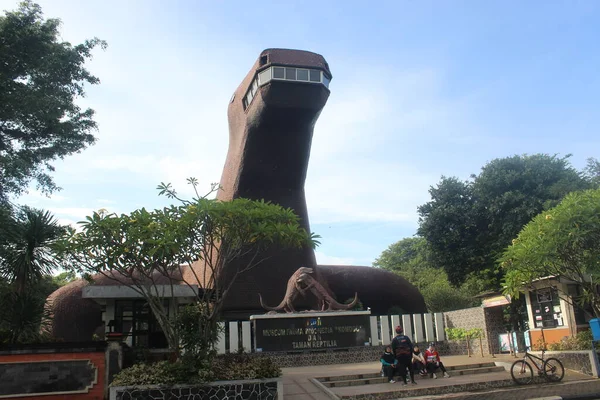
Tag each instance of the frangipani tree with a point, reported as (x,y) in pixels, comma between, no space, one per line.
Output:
(561,242)
(149,251)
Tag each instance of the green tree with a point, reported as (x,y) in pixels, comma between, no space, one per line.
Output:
(28,247)
(23,316)
(152,251)
(40,79)
(562,242)
(410,258)
(27,257)
(451,224)
(592,171)
(467,225)
(62,279)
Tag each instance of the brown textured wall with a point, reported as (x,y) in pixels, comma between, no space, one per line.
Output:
(377,289)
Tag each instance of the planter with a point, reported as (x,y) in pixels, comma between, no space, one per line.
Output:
(256,389)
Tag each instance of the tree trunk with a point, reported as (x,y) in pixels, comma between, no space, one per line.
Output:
(165,324)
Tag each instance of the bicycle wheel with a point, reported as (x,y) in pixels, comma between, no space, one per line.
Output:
(521,372)
(553,370)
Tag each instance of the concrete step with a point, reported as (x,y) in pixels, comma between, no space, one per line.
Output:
(473,371)
(378,374)
(373,379)
(470,366)
(416,391)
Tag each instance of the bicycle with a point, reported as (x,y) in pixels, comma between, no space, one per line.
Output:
(550,368)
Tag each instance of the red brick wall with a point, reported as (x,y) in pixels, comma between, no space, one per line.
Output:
(97,358)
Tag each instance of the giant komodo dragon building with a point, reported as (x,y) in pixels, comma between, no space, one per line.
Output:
(271,115)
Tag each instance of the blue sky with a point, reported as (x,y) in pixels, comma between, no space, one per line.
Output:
(420,89)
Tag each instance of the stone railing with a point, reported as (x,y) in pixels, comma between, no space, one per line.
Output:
(582,361)
(264,389)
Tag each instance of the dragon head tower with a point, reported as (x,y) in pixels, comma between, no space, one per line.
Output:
(272,115)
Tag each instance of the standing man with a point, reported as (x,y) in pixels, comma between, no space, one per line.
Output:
(402,348)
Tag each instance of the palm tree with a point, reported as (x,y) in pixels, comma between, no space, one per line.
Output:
(27,238)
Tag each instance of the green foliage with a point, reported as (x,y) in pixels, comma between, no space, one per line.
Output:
(581,341)
(225,367)
(197,334)
(475,333)
(455,333)
(28,246)
(560,242)
(468,224)
(450,224)
(402,255)
(244,366)
(23,318)
(463,334)
(40,79)
(27,255)
(592,172)
(159,373)
(145,249)
(410,259)
(63,278)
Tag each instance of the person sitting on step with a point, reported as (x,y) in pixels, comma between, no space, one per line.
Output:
(389,363)
(432,357)
(418,361)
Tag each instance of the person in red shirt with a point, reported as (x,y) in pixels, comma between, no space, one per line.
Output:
(432,358)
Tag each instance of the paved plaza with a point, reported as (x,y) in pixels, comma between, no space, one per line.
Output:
(300,383)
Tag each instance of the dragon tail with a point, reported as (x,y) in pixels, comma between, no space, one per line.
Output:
(266,307)
(352,304)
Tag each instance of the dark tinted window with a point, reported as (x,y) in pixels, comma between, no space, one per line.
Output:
(315,76)
(303,75)
(278,73)
(290,74)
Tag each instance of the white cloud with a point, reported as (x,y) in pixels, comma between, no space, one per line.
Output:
(66,221)
(106,201)
(34,197)
(78,213)
(161,111)
(361,167)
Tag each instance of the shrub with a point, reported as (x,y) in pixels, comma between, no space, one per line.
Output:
(226,367)
(244,366)
(581,341)
(159,373)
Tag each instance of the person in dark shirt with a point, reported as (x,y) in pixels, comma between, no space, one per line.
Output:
(388,363)
(402,348)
